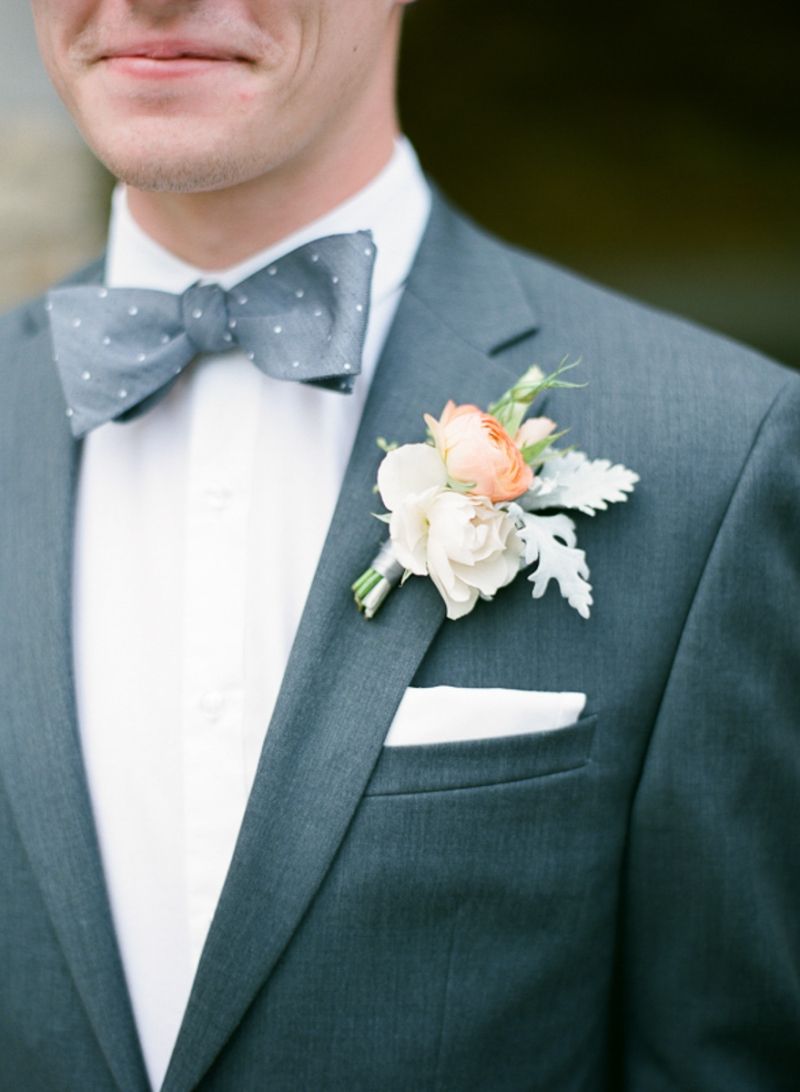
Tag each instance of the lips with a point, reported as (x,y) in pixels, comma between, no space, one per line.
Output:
(168,60)
(174,50)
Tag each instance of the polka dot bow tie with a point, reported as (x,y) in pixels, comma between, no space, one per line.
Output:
(119,350)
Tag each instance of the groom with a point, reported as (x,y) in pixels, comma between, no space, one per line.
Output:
(230,861)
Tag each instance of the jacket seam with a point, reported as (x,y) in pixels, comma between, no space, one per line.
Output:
(482,784)
(701,577)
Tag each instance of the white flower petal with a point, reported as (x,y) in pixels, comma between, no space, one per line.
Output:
(409,470)
(441,571)
(451,524)
(408,530)
(485,578)
(459,599)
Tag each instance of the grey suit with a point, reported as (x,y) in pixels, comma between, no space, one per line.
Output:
(611,905)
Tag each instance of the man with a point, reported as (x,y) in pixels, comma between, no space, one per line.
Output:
(192,900)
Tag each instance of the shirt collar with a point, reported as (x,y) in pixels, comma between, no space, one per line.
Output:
(394,206)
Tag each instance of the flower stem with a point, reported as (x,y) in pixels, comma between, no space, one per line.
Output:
(364,585)
(375,583)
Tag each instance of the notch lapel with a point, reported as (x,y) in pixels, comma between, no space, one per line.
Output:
(346,676)
(40,755)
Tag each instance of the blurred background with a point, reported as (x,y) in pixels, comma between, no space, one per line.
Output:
(653,147)
(53,195)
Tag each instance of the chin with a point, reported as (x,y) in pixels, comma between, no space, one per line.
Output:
(176,176)
(167,164)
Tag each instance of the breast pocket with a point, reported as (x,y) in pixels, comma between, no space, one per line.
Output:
(476,737)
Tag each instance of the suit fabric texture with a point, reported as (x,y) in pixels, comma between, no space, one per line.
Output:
(611,905)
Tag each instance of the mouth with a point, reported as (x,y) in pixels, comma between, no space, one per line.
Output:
(168,59)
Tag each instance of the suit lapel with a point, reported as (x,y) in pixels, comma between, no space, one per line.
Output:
(345,675)
(39,744)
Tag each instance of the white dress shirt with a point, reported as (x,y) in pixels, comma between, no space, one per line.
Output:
(198,529)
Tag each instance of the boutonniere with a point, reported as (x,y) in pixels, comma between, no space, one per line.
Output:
(464,508)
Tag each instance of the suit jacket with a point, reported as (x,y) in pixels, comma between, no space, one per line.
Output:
(614,904)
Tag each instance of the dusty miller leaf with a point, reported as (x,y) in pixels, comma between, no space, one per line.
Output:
(575,481)
(550,544)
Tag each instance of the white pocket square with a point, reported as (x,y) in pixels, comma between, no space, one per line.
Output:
(449,714)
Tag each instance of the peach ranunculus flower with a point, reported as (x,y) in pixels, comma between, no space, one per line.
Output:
(478,451)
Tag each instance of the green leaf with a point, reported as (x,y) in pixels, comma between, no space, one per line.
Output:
(511,407)
(460,487)
(532,453)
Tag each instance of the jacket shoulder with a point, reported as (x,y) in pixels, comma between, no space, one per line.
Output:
(20,322)
(675,397)
(646,342)
(27,317)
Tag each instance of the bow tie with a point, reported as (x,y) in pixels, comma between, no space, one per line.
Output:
(119,350)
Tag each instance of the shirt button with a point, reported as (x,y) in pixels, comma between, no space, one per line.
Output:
(218,496)
(211,703)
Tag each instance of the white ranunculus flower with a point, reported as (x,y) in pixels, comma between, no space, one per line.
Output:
(473,549)
(468,547)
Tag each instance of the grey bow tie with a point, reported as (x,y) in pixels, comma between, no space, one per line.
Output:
(118,350)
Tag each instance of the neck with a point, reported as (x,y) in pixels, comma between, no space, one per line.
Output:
(218,229)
